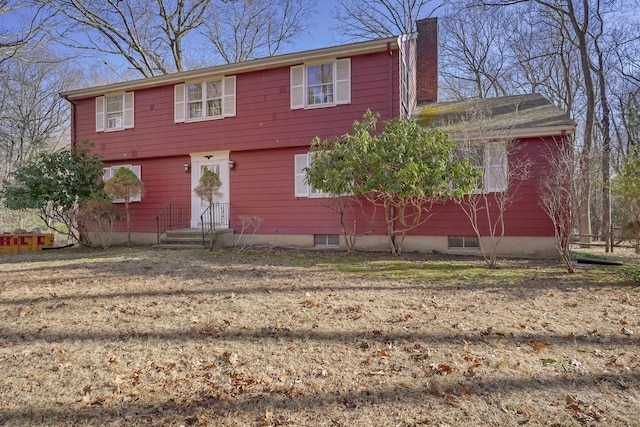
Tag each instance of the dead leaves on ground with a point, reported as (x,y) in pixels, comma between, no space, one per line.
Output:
(584,413)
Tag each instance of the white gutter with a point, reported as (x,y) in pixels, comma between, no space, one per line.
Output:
(560,130)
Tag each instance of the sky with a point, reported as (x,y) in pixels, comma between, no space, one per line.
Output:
(319,34)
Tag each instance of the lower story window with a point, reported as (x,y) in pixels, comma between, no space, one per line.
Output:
(110,172)
(326,239)
(463,242)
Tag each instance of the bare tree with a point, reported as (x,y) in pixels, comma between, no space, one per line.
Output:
(560,196)
(544,57)
(158,37)
(582,20)
(247,29)
(30,25)
(371,19)
(33,118)
(627,127)
(503,169)
(148,34)
(474,51)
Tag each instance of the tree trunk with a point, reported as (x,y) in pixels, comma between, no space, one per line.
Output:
(581,30)
(606,155)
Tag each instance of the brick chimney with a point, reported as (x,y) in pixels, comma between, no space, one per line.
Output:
(427,60)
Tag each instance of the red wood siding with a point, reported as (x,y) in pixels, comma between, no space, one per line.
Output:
(263,139)
(263,120)
(165,182)
(524,217)
(263,184)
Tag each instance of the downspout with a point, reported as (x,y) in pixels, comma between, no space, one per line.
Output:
(72,133)
(390,90)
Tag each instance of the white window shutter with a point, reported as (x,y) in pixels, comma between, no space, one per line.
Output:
(179,103)
(496,167)
(343,81)
(136,169)
(297,87)
(301,187)
(100,114)
(229,96)
(128,110)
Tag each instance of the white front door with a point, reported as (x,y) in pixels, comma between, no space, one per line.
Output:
(219,163)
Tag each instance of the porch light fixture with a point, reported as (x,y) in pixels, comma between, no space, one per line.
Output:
(232,164)
(187,167)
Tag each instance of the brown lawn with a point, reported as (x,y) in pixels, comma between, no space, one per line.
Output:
(272,337)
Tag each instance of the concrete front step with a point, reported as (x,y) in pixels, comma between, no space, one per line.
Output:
(192,239)
(177,246)
(179,240)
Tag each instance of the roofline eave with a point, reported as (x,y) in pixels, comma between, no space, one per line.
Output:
(288,59)
(510,134)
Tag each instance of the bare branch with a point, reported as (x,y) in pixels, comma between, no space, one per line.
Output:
(144,32)
(248,29)
(370,19)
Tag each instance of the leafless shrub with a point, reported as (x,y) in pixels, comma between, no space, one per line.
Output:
(250,223)
(561,186)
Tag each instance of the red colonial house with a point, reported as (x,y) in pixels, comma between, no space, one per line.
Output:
(253,122)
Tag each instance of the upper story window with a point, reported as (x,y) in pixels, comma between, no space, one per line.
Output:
(321,84)
(114,112)
(204,100)
(211,99)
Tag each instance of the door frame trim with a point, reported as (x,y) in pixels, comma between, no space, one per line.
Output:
(207,157)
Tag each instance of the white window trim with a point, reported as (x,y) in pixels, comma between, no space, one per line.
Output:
(495,168)
(341,84)
(127,112)
(109,172)
(302,189)
(228,100)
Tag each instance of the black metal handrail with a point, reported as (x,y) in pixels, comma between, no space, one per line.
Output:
(216,215)
(174,215)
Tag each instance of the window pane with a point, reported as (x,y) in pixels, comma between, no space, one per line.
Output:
(320,84)
(321,94)
(326,239)
(194,92)
(319,74)
(115,115)
(475,155)
(114,104)
(471,242)
(333,239)
(214,89)
(456,242)
(195,110)
(214,108)
(114,120)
